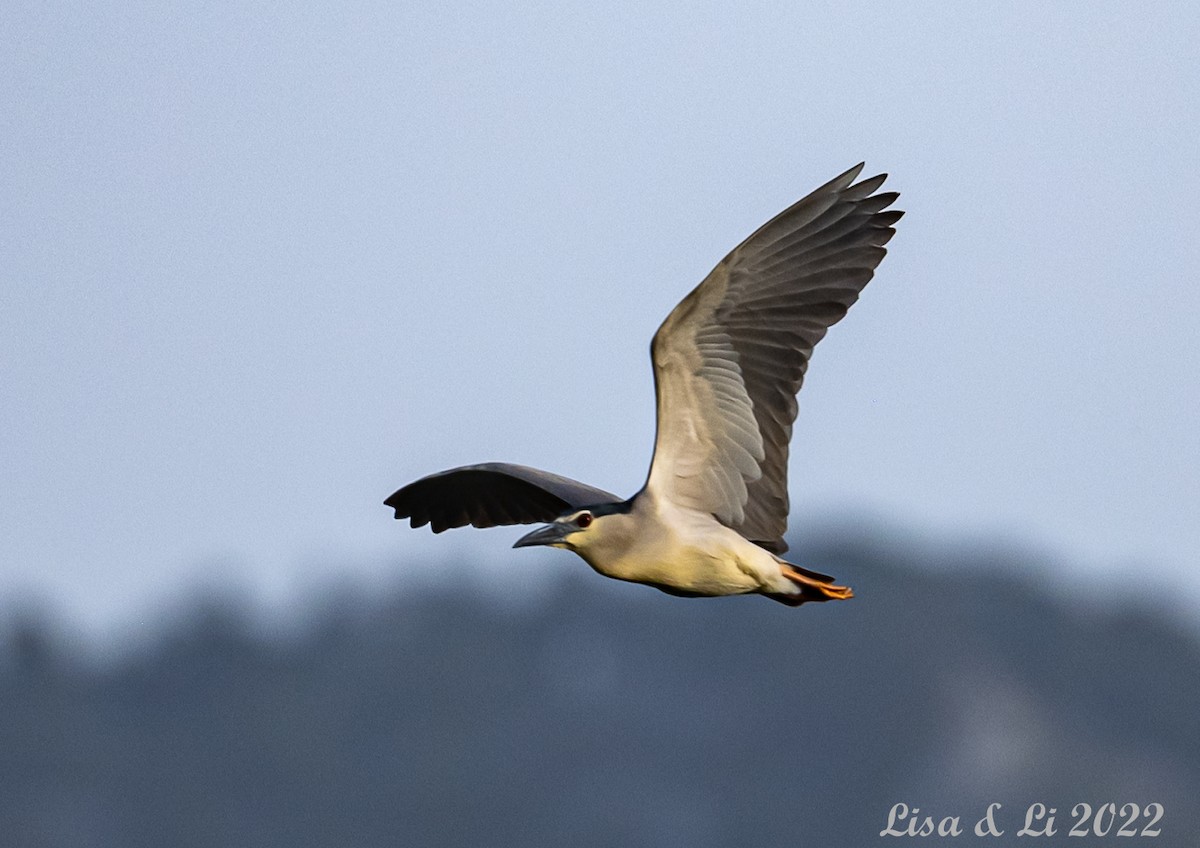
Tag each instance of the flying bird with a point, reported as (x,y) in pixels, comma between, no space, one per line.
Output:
(728,363)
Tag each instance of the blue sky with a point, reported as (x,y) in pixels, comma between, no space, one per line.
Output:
(261,264)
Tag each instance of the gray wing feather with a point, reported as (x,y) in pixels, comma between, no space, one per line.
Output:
(491,494)
(730,358)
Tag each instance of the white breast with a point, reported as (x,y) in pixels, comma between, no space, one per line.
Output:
(682,549)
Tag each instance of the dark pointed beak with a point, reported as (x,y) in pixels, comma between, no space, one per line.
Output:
(548,535)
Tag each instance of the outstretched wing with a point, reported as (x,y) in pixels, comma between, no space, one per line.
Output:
(730,358)
(492,494)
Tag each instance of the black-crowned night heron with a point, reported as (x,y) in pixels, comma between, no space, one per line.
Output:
(728,362)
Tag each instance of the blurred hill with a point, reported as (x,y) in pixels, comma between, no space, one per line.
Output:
(607,714)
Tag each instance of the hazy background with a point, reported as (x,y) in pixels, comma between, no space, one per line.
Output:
(261,264)
(602,714)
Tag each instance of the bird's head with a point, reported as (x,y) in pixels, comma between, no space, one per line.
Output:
(575,530)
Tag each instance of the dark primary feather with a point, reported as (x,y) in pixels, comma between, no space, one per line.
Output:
(491,494)
(737,348)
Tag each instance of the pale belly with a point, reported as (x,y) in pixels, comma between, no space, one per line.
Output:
(725,564)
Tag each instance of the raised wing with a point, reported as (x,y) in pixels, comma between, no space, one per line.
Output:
(730,358)
(492,494)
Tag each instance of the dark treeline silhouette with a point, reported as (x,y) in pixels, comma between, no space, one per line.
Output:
(605,714)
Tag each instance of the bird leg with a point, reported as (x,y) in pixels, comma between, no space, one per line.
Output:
(814,586)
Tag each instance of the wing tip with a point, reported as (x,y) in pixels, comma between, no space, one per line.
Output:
(402,510)
(845,179)
(393,501)
(848,182)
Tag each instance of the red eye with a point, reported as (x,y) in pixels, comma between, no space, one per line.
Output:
(584,519)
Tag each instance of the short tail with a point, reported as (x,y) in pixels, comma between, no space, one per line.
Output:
(812,586)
